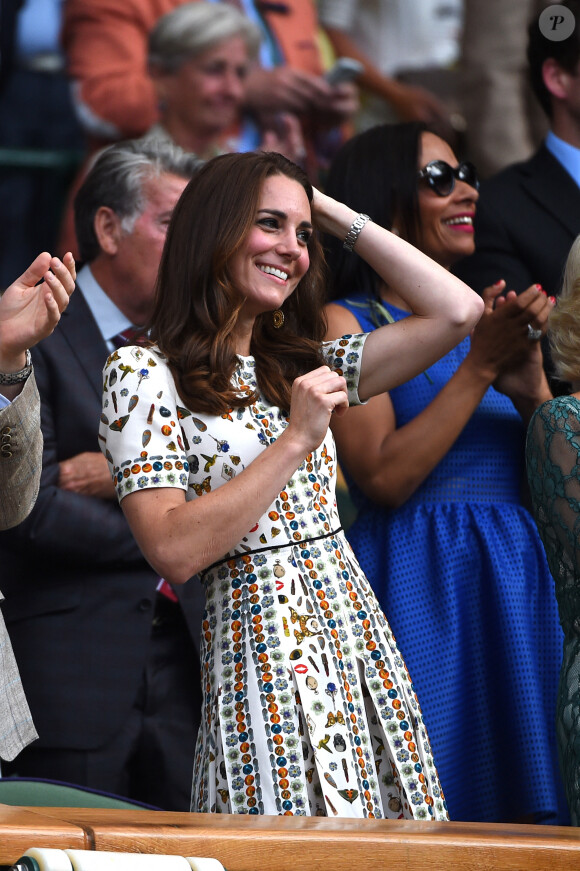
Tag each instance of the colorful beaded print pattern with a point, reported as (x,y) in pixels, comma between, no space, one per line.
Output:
(308,706)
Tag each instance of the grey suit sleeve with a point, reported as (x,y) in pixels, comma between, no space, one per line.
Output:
(20,455)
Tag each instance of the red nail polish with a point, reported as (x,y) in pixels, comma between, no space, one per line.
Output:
(538,286)
(552,299)
(497,283)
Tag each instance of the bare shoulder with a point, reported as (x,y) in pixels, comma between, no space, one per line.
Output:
(340,321)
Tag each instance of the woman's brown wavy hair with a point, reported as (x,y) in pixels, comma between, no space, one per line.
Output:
(197,305)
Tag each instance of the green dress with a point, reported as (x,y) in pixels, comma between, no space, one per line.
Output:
(553,465)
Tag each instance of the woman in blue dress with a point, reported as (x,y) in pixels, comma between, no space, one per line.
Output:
(435,470)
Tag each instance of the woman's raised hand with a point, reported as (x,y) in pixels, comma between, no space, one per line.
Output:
(330,215)
(30,308)
(315,397)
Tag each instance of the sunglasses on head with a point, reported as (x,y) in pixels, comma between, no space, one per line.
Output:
(441,177)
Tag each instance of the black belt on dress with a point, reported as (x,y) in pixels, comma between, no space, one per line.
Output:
(304,542)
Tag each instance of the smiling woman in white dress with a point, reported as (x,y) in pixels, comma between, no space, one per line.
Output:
(217,436)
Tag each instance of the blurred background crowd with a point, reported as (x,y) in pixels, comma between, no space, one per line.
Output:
(78,74)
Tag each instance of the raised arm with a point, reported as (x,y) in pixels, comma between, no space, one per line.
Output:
(30,308)
(444,309)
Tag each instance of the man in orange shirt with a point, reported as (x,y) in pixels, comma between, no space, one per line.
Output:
(106,45)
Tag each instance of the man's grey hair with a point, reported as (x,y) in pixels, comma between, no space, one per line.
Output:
(116,180)
(195,27)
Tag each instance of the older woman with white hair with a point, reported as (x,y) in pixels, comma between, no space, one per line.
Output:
(199,56)
(553,464)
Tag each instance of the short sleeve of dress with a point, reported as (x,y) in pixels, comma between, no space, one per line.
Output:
(344,355)
(140,433)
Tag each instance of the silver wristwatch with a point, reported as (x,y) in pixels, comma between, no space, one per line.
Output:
(354,232)
(17,377)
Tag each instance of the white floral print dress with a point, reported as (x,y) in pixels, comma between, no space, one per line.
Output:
(308,706)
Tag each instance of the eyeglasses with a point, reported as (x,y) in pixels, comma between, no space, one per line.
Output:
(441,177)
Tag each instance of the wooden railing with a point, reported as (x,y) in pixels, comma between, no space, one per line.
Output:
(244,843)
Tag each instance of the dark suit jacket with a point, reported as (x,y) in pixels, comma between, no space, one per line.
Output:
(527,217)
(79,594)
(8,14)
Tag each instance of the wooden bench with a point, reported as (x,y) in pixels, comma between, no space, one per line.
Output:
(244,843)
(20,828)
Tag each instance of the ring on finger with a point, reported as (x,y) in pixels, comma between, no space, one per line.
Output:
(534,335)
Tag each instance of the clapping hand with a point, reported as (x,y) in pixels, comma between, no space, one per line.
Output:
(30,308)
(500,339)
(522,375)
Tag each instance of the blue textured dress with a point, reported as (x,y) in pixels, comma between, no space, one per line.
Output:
(462,574)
